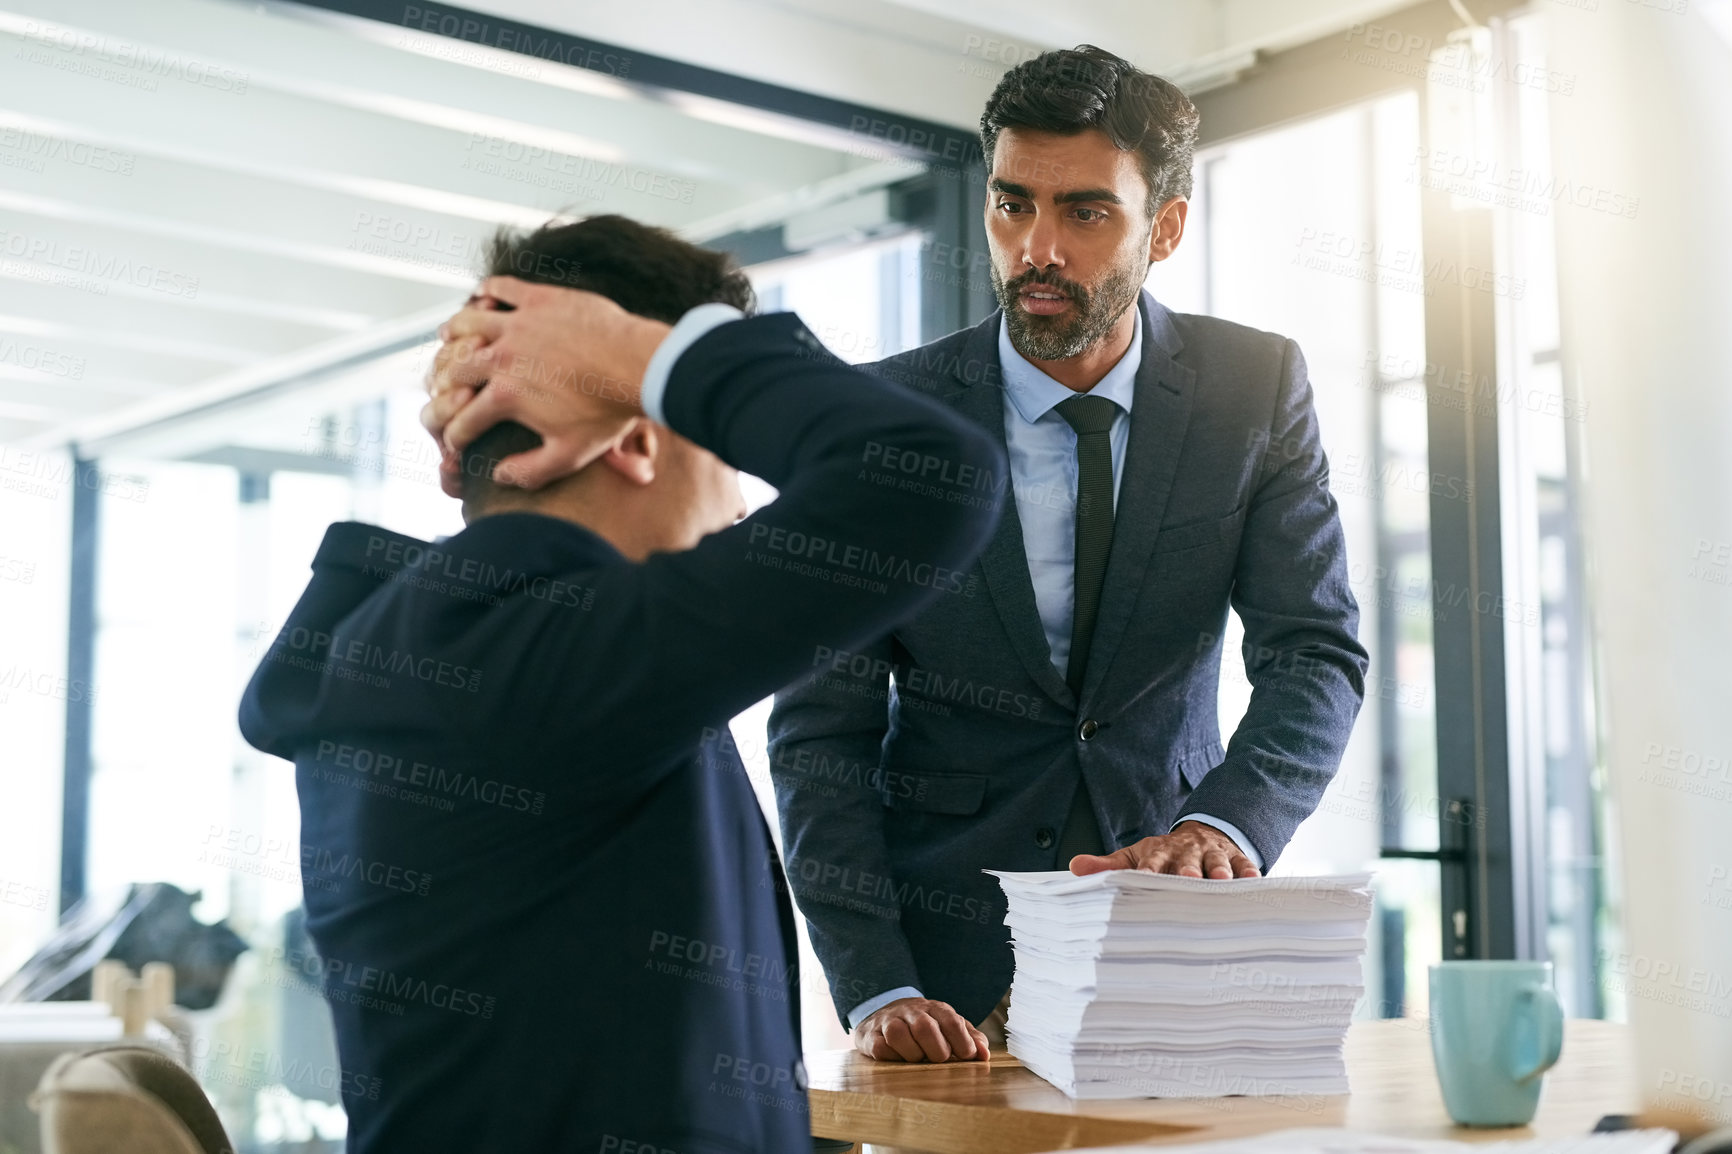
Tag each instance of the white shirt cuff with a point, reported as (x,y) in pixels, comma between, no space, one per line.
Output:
(693,325)
(1232,831)
(872,1005)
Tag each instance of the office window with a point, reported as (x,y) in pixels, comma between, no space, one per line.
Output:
(177,796)
(35,555)
(1549,643)
(861,300)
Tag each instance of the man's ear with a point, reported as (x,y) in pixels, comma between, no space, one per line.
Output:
(1169,228)
(633,453)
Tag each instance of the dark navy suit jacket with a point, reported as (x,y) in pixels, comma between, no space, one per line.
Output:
(547,910)
(894,797)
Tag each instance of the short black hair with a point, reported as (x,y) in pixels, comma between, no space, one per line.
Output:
(643,269)
(1072,90)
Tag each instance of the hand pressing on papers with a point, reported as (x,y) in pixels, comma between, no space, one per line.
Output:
(1192,850)
(919,1030)
(566,363)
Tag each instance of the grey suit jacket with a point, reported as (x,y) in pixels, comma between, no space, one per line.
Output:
(953,745)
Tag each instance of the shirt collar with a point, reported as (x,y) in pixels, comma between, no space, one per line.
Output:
(1034,393)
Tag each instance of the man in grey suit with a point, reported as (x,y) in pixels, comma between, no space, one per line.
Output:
(1060,701)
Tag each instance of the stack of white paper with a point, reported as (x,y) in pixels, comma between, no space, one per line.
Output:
(1132,985)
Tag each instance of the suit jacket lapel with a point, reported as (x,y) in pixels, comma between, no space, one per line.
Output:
(1159,416)
(1005,561)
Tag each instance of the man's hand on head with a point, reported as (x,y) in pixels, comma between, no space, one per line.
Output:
(447,400)
(1192,850)
(566,363)
(919,1030)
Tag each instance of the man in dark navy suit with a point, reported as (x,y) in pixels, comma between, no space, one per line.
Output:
(1164,467)
(597,950)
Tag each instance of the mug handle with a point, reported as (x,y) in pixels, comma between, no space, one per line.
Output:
(1537,1033)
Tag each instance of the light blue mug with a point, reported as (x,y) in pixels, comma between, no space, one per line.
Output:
(1496,1028)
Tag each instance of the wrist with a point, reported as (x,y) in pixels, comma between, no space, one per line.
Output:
(1203,829)
(635,343)
(859,1014)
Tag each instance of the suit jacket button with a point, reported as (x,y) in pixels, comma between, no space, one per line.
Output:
(1043,837)
(1088,729)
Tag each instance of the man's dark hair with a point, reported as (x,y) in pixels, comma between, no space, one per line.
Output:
(1072,90)
(645,270)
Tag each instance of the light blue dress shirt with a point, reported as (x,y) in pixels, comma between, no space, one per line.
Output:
(1043,471)
(1043,474)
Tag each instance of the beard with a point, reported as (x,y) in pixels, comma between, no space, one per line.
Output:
(1092,314)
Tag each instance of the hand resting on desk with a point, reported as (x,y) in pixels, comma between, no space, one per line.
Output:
(919,1030)
(922,1030)
(1192,850)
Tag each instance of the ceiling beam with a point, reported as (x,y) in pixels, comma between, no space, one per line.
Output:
(243,388)
(908,63)
(306,63)
(138,340)
(131,278)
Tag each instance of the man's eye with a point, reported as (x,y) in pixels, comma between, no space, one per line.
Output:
(1009,206)
(1090,214)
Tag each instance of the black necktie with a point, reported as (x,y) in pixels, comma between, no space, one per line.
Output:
(1092,418)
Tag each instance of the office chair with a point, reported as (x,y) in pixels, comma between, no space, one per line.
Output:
(128,1098)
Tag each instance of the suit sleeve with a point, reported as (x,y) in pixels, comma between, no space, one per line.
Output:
(350,565)
(1301,651)
(826,745)
(686,640)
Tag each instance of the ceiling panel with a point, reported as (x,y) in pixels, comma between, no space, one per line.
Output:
(201,200)
(200,197)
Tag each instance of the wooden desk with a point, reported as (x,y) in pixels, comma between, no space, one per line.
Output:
(970,1108)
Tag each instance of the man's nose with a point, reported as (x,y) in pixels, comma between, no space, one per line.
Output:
(1040,245)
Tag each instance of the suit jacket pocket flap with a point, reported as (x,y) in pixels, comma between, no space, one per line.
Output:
(1195,534)
(958,793)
